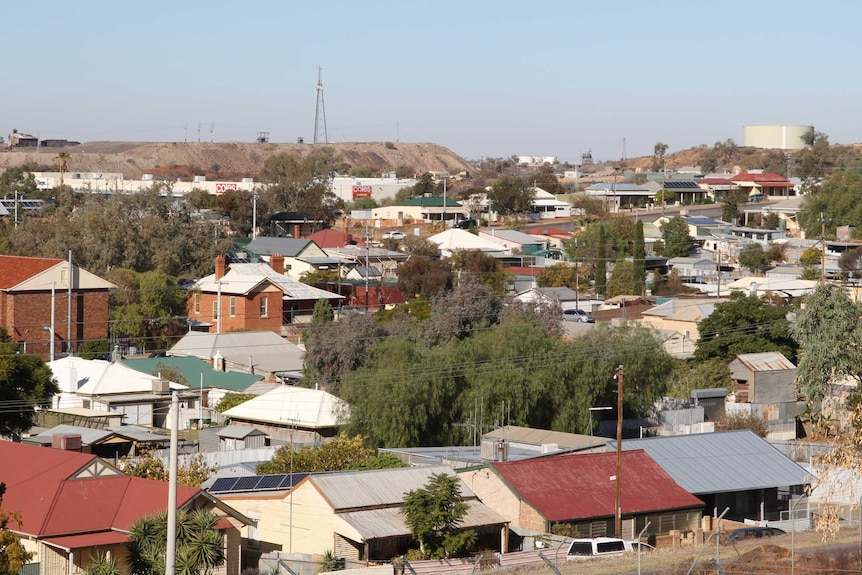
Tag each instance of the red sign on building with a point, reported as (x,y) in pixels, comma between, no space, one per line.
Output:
(222,188)
(361,192)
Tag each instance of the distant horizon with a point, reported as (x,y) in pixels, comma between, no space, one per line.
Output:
(482,78)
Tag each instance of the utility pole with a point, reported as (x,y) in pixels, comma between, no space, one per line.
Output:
(822,248)
(618,519)
(171,551)
(367,241)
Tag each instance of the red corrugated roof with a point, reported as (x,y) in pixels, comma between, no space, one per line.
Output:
(15,269)
(523,271)
(549,232)
(88,540)
(38,485)
(331,238)
(759,178)
(566,487)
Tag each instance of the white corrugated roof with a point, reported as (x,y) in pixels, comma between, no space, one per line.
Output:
(100,377)
(454,239)
(289,405)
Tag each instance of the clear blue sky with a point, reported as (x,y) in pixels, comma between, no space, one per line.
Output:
(484,78)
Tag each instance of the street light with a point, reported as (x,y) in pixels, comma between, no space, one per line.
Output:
(592,409)
(641,534)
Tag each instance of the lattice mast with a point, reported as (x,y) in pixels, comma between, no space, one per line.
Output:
(320,136)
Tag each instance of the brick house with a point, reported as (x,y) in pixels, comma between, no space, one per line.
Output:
(27,288)
(251,297)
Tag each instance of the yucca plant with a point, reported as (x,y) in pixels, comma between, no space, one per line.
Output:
(200,548)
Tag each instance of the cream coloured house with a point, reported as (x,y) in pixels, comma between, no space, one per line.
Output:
(354,514)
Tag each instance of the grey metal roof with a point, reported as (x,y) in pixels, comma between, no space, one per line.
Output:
(266,350)
(389,522)
(513,236)
(90,435)
(238,431)
(721,462)
(288,247)
(357,489)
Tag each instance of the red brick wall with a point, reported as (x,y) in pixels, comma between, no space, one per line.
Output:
(28,313)
(247,316)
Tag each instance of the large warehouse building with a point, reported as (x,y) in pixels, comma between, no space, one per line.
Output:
(777,137)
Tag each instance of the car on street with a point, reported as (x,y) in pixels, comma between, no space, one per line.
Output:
(578,315)
(754,532)
(394,235)
(465,224)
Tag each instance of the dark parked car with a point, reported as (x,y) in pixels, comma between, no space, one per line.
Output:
(465,224)
(754,533)
(578,315)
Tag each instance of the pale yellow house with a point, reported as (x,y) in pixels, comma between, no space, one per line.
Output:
(354,514)
(680,315)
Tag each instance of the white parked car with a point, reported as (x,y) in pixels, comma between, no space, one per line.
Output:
(603,547)
(394,236)
(578,315)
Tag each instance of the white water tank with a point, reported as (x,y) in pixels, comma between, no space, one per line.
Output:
(776,137)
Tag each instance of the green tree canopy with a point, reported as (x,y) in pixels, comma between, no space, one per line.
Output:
(302,184)
(13,555)
(745,324)
(341,453)
(837,201)
(754,257)
(622,280)
(232,400)
(148,307)
(433,513)
(510,196)
(828,330)
(676,241)
(482,267)
(423,277)
(562,275)
(142,232)
(25,382)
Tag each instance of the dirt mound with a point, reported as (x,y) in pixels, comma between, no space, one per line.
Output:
(230,159)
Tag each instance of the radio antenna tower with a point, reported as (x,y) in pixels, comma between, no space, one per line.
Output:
(320,136)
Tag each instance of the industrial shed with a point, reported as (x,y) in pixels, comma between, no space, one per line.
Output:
(735,469)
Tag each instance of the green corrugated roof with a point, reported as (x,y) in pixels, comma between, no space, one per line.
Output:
(430,202)
(192,368)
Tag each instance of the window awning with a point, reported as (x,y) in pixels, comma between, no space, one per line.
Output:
(87,540)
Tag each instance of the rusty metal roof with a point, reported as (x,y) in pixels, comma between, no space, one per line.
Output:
(767,361)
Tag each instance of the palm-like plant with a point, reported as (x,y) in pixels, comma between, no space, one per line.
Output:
(62,160)
(103,564)
(200,548)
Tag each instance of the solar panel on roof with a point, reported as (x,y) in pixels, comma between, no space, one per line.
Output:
(246,483)
(223,484)
(270,481)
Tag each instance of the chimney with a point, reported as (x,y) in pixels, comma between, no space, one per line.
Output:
(276,262)
(219,267)
(296,233)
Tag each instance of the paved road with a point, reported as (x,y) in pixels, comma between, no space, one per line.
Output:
(708,210)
